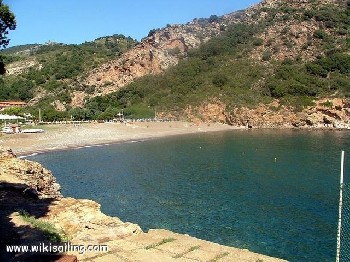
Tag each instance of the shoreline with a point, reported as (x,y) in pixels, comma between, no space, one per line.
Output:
(70,137)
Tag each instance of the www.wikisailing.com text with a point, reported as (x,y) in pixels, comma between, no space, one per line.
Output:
(56,248)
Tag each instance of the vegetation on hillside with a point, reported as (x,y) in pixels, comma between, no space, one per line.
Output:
(60,65)
(213,70)
(222,70)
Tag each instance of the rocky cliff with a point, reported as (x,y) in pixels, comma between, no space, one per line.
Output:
(285,38)
(29,176)
(325,113)
(157,52)
(21,67)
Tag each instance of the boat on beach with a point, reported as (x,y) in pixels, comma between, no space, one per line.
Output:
(15,129)
(33,130)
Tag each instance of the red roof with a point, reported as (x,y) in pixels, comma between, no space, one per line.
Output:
(12,102)
(4,104)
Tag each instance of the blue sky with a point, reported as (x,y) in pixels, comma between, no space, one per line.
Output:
(77,21)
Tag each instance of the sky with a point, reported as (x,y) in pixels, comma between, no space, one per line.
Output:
(77,21)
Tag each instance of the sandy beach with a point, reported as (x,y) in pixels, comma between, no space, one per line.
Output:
(64,136)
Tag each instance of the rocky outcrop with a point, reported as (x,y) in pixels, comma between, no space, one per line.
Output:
(83,221)
(326,113)
(59,106)
(20,67)
(329,113)
(142,60)
(6,153)
(78,99)
(160,50)
(29,176)
(214,111)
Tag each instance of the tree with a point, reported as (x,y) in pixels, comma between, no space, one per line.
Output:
(17,111)
(7,22)
(213,19)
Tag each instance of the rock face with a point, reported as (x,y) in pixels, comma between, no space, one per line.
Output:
(214,111)
(58,105)
(326,113)
(31,176)
(20,67)
(157,52)
(162,49)
(289,38)
(83,221)
(6,153)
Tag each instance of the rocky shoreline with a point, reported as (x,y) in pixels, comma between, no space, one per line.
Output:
(26,185)
(326,113)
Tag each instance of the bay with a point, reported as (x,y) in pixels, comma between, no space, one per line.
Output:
(273,192)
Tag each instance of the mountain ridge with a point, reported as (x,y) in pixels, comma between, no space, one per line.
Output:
(295,52)
(161,49)
(166,46)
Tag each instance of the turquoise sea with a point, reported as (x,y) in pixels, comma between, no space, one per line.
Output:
(271,191)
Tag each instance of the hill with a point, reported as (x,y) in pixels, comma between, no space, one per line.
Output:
(47,72)
(273,57)
(276,58)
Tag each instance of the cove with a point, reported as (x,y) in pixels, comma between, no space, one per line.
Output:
(273,192)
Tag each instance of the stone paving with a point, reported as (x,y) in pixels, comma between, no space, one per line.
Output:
(163,246)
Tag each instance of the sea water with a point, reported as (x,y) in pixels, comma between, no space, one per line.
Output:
(273,192)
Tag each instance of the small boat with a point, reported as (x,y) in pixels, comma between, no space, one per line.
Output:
(33,130)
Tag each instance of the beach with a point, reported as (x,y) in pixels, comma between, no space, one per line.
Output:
(65,136)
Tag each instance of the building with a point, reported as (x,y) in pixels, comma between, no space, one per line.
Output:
(7,104)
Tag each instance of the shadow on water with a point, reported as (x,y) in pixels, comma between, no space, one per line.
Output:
(13,198)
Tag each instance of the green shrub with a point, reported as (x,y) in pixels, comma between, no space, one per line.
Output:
(220,80)
(320,34)
(316,69)
(258,42)
(266,56)
(46,227)
(327,104)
